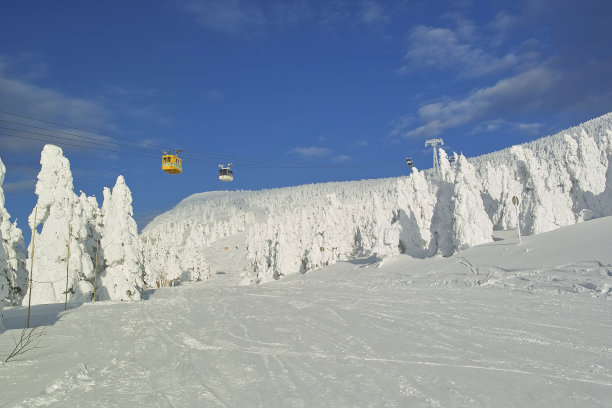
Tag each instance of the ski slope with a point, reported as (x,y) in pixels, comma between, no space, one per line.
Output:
(504,324)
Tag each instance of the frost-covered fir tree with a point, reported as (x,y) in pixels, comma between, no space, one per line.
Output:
(122,278)
(13,273)
(471,224)
(61,214)
(93,214)
(442,220)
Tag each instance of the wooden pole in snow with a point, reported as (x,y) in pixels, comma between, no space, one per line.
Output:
(32,266)
(67,265)
(96,269)
(515,201)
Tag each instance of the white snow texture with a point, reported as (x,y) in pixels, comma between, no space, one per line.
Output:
(13,274)
(122,279)
(73,225)
(559,180)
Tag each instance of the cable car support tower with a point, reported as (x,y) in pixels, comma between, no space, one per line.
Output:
(436,163)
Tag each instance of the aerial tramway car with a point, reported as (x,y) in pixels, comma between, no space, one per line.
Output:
(225,172)
(171,163)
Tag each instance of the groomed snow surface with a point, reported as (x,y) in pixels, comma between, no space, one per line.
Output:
(503,324)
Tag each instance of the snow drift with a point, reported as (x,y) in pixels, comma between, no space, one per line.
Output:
(559,180)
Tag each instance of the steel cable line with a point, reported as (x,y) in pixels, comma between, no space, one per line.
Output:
(154,154)
(186,153)
(77,139)
(79,144)
(97,140)
(86,141)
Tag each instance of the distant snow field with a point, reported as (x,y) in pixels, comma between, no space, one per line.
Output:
(488,284)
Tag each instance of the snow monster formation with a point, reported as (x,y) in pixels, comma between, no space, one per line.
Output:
(13,274)
(122,278)
(558,180)
(59,247)
(74,232)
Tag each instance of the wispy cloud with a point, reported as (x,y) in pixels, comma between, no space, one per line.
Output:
(226,16)
(247,17)
(32,100)
(527,91)
(373,13)
(503,22)
(311,152)
(18,186)
(23,95)
(562,74)
(360,142)
(495,125)
(239,17)
(443,49)
(343,158)
(213,95)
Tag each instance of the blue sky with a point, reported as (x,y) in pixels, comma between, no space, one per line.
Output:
(351,86)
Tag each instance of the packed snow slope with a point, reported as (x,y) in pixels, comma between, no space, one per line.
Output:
(559,180)
(503,324)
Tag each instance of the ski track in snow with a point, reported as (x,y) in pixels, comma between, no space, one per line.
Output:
(458,331)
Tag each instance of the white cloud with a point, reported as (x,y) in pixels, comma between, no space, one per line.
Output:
(27,99)
(341,158)
(23,185)
(333,12)
(240,17)
(442,48)
(32,100)
(497,124)
(527,91)
(373,13)
(360,142)
(311,152)
(227,16)
(503,22)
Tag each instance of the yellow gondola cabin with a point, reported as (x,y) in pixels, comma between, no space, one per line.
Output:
(171,163)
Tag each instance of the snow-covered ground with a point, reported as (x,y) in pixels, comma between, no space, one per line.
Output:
(504,324)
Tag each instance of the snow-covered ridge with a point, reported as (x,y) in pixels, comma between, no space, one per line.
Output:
(559,180)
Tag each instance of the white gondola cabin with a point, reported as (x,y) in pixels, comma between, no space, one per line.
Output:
(225,172)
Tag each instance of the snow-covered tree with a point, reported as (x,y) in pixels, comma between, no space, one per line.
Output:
(61,214)
(442,220)
(13,273)
(94,226)
(559,180)
(471,224)
(416,203)
(122,278)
